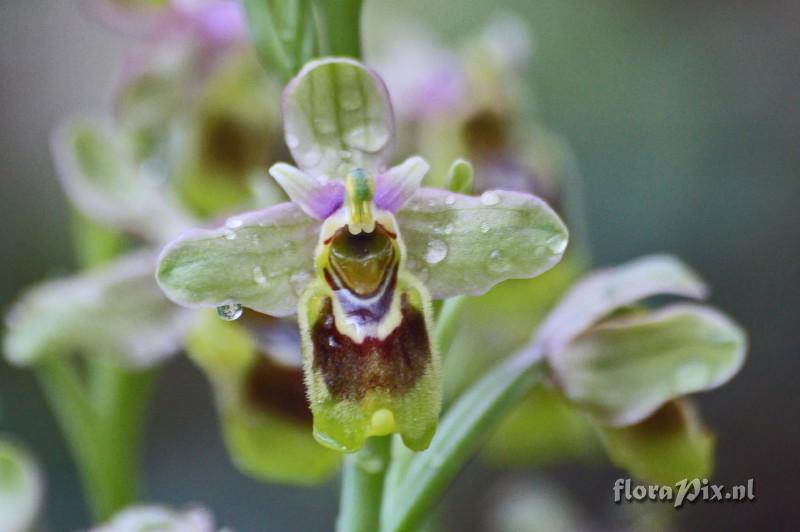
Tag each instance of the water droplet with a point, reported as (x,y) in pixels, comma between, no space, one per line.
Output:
(497,261)
(258,276)
(230,311)
(448,229)
(490,198)
(345,155)
(230,235)
(449,200)
(324,126)
(484,228)
(437,251)
(557,244)
(350,100)
(299,281)
(368,138)
(311,157)
(233,222)
(292,141)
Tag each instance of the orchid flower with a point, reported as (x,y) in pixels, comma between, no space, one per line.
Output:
(148,176)
(630,369)
(358,253)
(152,517)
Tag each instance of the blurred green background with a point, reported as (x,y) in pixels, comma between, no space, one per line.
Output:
(685,118)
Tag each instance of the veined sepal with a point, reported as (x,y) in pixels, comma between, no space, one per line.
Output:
(380,385)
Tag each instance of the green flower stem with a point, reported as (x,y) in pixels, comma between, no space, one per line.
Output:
(340,27)
(102,429)
(362,486)
(412,492)
(102,414)
(447,322)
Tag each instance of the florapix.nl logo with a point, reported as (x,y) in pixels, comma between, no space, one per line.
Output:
(684,491)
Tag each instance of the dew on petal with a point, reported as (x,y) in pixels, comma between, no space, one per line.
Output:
(324,126)
(292,141)
(484,228)
(489,198)
(311,157)
(258,276)
(350,100)
(557,244)
(230,311)
(367,138)
(436,252)
(299,281)
(233,222)
(497,261)
(450,199)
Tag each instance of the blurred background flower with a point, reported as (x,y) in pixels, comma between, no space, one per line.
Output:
(682,116)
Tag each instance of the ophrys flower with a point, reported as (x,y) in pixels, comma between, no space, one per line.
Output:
(358,253)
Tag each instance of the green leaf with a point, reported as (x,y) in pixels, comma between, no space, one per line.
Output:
(283,33)
(601,293)
(416,481)
(115,311)
(261,400)
(670,445)
(337,117)
(262,260)
(460,244)
(624,369)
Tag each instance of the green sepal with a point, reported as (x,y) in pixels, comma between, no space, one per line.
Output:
(269,444)
(343,421)
(670,445)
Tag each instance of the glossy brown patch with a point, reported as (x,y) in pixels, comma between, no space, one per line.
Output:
(351,369)
(362,261)
(278,389)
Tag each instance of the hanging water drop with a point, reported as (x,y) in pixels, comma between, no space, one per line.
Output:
(230,311)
